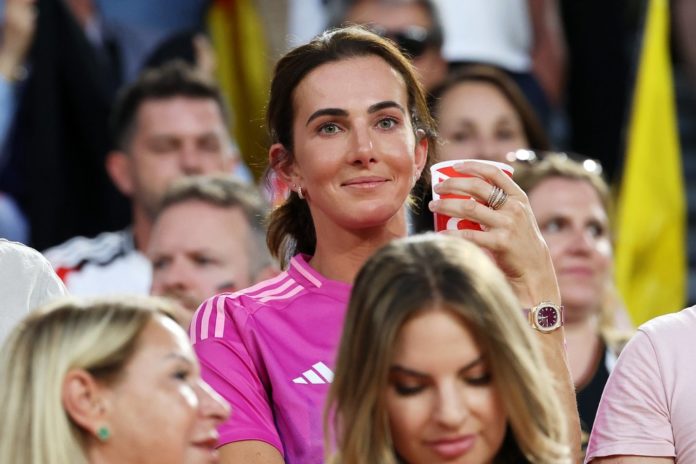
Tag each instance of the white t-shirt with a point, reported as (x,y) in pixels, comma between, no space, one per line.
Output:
(497,32)
(107,264)
(26,282)
(648,407)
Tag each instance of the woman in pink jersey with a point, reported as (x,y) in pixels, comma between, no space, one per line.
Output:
(351,135)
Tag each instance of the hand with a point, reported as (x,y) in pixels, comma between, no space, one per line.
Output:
(510,234)
(17,34)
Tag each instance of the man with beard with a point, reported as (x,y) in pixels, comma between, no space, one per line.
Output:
(169,124)
(208,238)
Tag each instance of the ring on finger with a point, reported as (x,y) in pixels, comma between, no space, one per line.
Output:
(497,198)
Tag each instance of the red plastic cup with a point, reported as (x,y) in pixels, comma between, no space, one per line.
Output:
(445,170)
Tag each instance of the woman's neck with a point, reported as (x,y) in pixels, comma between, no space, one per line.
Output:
(340,253)
(582,341)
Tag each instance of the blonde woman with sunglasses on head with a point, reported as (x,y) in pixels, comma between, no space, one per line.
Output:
(572,205)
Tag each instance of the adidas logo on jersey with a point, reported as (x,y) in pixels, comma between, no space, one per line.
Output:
(318,374)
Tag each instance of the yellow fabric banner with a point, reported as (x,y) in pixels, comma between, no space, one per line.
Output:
(651,267)
(237,35)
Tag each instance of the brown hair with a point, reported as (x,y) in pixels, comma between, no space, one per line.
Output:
(173,79)
(533,130)
(290,228)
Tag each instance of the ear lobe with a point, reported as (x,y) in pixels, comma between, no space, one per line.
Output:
(281,162)
(83,400)
(118,165)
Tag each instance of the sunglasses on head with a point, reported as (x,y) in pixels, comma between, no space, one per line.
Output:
(534,156)
(412,40)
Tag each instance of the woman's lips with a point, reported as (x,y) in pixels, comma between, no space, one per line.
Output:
(365,182)
(451,448)
(209,447)
(579,271)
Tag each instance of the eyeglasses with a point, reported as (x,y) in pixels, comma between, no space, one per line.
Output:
(533,156)
(412,40)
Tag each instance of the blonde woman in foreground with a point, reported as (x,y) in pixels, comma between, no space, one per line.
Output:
(105,381)
(437,364)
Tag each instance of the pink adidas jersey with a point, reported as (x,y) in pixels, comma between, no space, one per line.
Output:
(269,350)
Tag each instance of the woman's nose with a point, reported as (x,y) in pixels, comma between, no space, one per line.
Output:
(212,405)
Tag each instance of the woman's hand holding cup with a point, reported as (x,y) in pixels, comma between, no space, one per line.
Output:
(508,229)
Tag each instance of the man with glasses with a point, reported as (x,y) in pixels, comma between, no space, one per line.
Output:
(414,25)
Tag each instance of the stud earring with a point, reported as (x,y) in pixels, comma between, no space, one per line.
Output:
(103,433)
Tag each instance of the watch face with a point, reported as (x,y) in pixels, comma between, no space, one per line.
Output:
(547,317)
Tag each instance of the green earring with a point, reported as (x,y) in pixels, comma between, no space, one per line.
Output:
(103,433)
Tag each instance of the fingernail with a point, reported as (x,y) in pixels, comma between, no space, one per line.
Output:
(437,188)
(433,205)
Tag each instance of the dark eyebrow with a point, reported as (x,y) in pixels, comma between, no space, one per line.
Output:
(326,112)
(385,104)
(405,370)
(341,112)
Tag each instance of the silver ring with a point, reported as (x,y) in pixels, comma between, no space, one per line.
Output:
(497,198)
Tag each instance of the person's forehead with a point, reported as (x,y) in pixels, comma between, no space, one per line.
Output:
(198,225)
(568,193)
(338,84)
(160,339)
(392,15)
(475,91)
(171,111)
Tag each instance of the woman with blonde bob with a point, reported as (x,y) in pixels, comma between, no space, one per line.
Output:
(437,364)
(572,204)
(104,381)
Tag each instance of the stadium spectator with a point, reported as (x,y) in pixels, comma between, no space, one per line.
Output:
(170,123)
(208,237)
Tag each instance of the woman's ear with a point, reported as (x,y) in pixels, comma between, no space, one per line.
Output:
(281,161)
(421,151)
(84,400)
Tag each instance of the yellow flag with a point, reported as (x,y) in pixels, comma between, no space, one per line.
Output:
(651,216)
(238,38)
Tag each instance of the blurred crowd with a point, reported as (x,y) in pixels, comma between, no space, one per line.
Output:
(297,308)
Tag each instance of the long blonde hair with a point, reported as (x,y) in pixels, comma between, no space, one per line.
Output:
(99,336)
(402,280)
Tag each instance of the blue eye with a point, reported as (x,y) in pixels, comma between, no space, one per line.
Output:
(554,225)
(386,123)
(329,128)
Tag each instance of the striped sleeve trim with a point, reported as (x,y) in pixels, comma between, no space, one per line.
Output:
(210,318)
